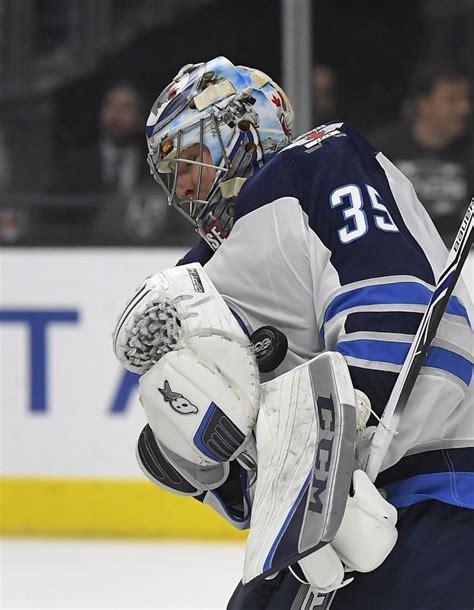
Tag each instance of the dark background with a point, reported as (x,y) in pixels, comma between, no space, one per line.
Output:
(57,57)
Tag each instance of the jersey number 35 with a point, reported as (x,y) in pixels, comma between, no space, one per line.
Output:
(350,195)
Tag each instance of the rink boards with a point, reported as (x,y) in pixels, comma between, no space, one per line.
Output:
(70,415)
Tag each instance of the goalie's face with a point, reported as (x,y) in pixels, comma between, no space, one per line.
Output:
(191,180)
(195,173)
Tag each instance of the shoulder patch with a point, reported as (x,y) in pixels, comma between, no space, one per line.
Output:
(313,139)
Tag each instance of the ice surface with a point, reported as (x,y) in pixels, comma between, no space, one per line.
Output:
(95,574)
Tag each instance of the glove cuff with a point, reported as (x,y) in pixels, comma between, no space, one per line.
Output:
(172,472)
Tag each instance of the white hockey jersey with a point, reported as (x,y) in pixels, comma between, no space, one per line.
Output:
(332,246)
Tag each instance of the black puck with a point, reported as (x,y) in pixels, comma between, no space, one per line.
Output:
(270,346)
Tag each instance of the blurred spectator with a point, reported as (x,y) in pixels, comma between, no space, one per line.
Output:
(325,94)
(124,205)
(431,143)
(116,162)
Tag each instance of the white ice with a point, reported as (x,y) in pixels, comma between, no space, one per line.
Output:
(96,574)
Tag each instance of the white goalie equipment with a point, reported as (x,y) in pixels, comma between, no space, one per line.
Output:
(304,510)
(200,390)
(200,384)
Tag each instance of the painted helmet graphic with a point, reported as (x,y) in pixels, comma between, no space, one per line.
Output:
(236,118)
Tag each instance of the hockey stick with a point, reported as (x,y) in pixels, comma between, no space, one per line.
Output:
(419,348)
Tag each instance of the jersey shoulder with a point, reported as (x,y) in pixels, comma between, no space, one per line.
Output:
(346,196)
(293,170)
(319,143)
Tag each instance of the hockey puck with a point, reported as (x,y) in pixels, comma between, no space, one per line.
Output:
(270,346)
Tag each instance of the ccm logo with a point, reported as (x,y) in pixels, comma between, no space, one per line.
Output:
(322,461)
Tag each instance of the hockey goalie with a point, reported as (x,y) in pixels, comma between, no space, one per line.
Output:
(322,241)
(278,457)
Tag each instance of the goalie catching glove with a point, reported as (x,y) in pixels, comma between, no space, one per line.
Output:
(200,384)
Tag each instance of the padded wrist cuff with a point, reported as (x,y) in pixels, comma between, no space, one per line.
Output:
(173,473)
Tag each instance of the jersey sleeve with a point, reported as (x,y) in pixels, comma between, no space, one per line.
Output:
(375,278)
(200,253)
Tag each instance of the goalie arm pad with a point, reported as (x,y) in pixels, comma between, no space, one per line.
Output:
(224,487)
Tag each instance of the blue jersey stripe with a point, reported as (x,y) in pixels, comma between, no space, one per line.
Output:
(395,352)
(455,488)
(406,322)
(456,459)
(397,293)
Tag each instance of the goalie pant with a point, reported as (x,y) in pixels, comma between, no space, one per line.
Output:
(430,568)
